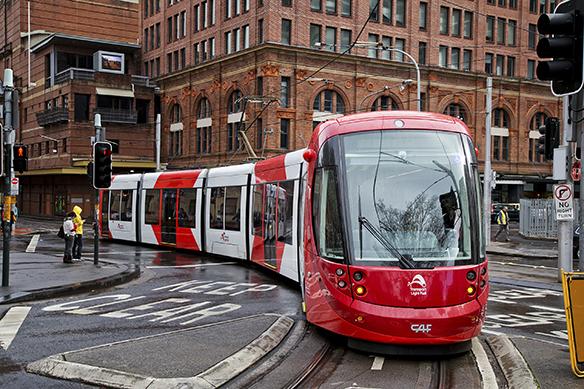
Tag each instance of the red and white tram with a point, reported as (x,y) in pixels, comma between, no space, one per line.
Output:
(378,219)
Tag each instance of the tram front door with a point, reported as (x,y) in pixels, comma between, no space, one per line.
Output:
(169,216)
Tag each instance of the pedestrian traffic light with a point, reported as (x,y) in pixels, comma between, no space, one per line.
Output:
(102,165)
(564,44)
(550,138)
(20,158)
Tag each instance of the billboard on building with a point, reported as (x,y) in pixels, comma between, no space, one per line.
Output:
(110,62)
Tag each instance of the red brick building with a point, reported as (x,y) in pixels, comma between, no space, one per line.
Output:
(205,54)
(85,59)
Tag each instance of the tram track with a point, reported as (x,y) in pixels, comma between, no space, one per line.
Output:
(307,375)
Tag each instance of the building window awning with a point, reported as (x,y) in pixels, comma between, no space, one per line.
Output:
(114,92)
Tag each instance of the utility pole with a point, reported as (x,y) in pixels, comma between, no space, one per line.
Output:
(488,175)
(565,227)
(158,132)
(98,138)
(577,118)
(9,174)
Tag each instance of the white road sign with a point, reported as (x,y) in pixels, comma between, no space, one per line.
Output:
(563,199)
(14,186)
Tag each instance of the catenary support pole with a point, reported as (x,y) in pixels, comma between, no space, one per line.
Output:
(487,175)
(98,138)
(577,118)
(565,227)
(8,143)
(158,134)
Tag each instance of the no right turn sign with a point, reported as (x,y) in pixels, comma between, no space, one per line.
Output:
(563,199)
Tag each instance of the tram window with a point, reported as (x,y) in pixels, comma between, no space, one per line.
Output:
(285,208)
(258,206)
(152,206)
(270,215)
(115,204)
(126,206)
(232,208)
(325,213)
(216,208)
(187,199)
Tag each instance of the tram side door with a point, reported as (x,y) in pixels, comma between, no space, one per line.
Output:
(168,227)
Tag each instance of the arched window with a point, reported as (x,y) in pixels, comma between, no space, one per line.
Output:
(204,125)
(384,103)
(536,121)
(176,130)
(327,105)
(500,131)
(176,114)
(456,110)
(234,110)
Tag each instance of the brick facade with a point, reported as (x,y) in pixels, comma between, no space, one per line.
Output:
(357,79)
(58,107)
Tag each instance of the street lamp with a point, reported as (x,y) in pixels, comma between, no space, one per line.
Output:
(55,151)
(379,45)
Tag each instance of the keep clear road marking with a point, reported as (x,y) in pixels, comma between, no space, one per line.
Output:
(10,324)
(377,363)
(33,243)
(188,266)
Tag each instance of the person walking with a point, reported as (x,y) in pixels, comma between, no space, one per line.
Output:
(69,232)
(78,241)
(503,222)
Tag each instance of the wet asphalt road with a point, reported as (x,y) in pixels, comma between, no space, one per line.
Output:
(61,324)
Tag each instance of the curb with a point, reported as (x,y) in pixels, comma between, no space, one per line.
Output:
(516,370)
(120,278)
(57,366)
(521,255)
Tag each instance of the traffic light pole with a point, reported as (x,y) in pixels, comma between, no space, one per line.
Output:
(8,142)
(487,174)
(577,126)
(98,135)
(565,227)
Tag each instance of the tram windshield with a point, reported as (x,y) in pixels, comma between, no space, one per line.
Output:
(408,198)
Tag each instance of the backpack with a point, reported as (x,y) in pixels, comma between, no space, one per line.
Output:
(61,233)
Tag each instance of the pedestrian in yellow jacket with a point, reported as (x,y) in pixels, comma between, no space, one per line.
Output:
(78,242)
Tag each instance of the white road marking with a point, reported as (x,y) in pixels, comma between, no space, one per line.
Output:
(487,374)
(524,265)
(190,266)
(544,308)
(378,363)
(33,243)
(10,324)
(491,332)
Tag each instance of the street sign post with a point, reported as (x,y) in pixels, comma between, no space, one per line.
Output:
(564,199)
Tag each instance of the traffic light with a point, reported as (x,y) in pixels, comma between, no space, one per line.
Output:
(550,138)
(20,158)
(102,165)
(564,44)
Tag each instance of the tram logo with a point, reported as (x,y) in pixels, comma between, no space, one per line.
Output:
(417,285)
(425,328)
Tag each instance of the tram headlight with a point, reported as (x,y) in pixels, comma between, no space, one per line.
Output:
(342,284)
(471,275)
(483,271)
(360,290)
(470,290)
(339,272)
(483,283)
(358,276)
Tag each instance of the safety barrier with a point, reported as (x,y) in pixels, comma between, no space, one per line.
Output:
(537,218)
(573,285)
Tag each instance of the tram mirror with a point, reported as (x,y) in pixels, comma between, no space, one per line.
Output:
(450,208)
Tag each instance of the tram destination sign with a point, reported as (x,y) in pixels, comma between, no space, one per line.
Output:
(563,200)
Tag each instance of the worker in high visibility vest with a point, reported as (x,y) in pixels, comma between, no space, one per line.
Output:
(503,222)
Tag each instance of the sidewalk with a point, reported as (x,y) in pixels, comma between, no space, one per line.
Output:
(520,246)
(37,276)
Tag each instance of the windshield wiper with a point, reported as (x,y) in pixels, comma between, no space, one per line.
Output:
(405,260)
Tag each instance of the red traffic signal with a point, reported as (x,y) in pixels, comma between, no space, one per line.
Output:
(102,165)
(20,159)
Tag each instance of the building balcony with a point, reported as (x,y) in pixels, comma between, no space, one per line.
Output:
(52,116)
(74,74)
(142,81)
(109,115)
